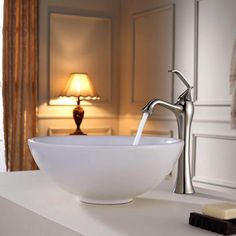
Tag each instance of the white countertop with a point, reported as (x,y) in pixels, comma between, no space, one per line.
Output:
(33,205)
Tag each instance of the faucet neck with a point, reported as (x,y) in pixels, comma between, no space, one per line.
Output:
(183,110)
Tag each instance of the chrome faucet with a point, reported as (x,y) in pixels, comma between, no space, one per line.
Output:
(183,110)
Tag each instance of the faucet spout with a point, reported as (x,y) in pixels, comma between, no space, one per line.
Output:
(176,109)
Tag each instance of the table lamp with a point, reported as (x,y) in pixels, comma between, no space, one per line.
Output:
(79,85)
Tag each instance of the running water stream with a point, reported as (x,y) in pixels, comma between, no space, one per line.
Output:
(140,128)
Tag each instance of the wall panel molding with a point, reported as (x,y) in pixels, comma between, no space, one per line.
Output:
(216,162)
(52,131)
(147,68)
(56,116)
(215,182)
(161,133)
(215,55)
(71,49)
(90,13)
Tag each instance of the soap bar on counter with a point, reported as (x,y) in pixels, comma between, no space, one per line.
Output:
(222,210)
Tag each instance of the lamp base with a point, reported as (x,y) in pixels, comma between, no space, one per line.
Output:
(78,115)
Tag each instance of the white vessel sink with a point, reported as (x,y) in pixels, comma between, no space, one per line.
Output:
(106,169)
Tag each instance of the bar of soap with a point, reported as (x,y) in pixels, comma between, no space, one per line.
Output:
(222,210)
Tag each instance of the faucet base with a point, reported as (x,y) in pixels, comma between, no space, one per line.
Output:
(184,192)
(184,189)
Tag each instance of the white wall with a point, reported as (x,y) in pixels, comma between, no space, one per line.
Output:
(195,37)
(199,43)
(213,141)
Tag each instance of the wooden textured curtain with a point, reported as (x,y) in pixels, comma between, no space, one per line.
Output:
(20,73)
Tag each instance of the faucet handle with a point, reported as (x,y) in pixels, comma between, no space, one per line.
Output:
(182,78)
(186,95)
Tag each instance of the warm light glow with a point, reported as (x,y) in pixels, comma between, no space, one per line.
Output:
(67,100)
(80,85)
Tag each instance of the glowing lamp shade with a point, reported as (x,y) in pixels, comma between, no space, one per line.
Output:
(79,85)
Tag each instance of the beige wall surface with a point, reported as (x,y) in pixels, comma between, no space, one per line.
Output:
(78,36)
(148,38)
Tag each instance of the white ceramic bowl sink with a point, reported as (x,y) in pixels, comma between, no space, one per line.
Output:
(105,169)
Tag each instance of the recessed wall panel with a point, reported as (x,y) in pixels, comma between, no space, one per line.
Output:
(215,159)
(216,37)
(152,56)
(79,44)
